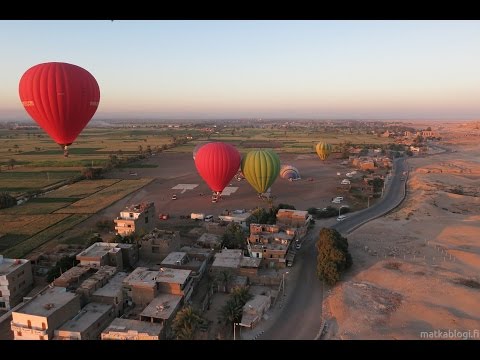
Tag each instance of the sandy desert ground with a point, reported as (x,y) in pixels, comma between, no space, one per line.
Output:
(417,269)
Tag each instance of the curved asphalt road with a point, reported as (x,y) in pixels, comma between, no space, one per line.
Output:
(302,314)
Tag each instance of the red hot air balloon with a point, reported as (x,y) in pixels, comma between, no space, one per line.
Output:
(217,163)
(61,98)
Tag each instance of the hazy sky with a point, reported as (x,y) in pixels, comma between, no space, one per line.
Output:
(248,69)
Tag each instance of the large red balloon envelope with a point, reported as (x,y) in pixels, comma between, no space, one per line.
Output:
(61,98)
(217,163)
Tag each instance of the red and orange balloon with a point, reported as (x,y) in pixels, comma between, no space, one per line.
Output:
(61,98)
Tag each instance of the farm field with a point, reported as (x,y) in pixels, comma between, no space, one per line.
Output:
(39,162)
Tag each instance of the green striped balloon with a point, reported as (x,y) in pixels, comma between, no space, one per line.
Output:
(261,168)
(323,150)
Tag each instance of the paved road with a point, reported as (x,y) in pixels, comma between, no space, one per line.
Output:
(302,313)
(393,197)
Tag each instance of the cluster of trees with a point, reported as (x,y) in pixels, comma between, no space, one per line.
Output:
(377,184)
(186,322)
(232,311)
(333,256)
(91,173)
(61,266)
(263,216)
(6,200)
(234,237)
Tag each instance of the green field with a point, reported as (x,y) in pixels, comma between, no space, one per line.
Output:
(82,188)
(17,182)
(25,247)
(105,197)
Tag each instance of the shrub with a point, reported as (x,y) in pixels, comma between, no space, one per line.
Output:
(333,256)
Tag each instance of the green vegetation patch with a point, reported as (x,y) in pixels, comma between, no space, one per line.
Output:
(82,188)
(105,197)
(72,151)
(38,206)
(27,246)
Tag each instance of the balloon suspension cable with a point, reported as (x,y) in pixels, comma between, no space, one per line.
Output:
(65,151)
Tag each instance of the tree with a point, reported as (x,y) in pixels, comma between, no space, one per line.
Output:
(61,266)
(11,163)
(91,173)
(234,237)
(6,200)
(113,160)
(186,322)
(241,294)
(333,256)
(140,149)
(231,312)
(224,277)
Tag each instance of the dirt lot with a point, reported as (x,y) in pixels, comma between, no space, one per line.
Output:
(174,169)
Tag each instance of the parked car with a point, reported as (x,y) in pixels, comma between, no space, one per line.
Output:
(163,216)
(174,197)
(341,218)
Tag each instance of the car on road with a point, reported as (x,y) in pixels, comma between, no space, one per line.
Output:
(163,216)
(341,218)
(174,197)
(298,246)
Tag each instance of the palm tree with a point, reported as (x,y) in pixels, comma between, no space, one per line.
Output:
(241,295)
(224,277)
(186,322)
(231,312)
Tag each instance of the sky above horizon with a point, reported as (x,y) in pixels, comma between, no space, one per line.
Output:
(321,69)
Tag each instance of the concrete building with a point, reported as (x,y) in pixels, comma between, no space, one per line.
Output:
(236,216)
(162,310)
(227,259)
(38,318)
(73,277)
(293,218)
(127,329)
(130,255)
(87,324)
(95,282)
(249,266)
(210,241)
(181,260)
(101,253)
(254,309)
(112,293)
(158,244)
(268,243)
(16,280)
(140,286)
(143,285)
(136,218)
(175,281)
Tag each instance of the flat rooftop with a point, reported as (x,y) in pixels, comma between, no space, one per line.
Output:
(250,262)
(86,317)
(162,307)
(98,249)
(228,258)
(133,326)
(235,217)
(9,265)
(46,303)
(141,276)
(112,288)
(270,246)
(292,213)
(174,258)
(176,276)
(209,238)
(73,274)
(138,208)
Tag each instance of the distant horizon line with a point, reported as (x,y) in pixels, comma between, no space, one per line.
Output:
(229,119)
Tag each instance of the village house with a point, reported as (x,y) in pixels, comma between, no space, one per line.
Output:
(136,219)
(158,244)
(128,329)
(16,280)
(87,324)
(38,318)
